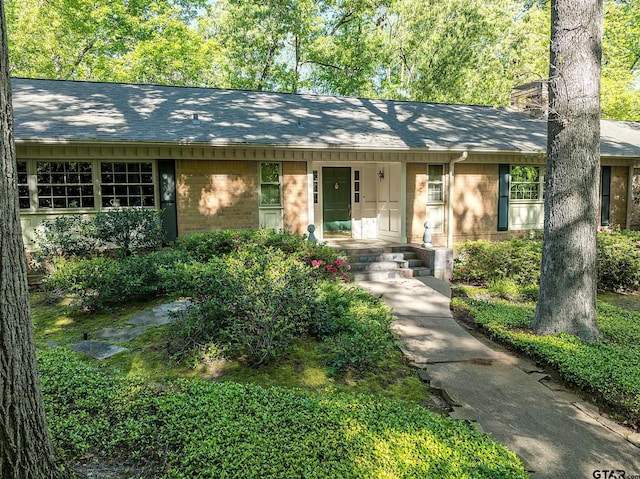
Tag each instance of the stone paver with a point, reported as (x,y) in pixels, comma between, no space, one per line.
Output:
(119,335)
(160,315)
(555,432)
(97,349)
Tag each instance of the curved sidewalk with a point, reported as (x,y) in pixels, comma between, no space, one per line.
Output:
(556,433)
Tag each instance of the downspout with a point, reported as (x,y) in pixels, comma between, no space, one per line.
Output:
(452,168)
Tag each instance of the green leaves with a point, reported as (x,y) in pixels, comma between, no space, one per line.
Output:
(199,430)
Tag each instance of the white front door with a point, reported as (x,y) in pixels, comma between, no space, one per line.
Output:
(389,202)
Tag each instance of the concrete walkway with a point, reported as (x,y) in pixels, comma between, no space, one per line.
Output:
(556,433)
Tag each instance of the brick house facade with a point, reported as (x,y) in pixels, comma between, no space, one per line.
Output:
(218,159)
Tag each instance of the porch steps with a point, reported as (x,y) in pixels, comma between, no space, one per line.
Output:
(380,263)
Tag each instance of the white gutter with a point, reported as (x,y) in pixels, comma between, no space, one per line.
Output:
(452,167)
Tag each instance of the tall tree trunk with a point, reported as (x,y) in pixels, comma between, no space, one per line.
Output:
(25,448)
(568,281)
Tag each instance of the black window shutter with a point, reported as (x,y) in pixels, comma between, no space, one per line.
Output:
(503,198)
(605,189)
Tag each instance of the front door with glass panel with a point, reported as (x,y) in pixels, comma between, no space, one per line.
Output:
(336,202)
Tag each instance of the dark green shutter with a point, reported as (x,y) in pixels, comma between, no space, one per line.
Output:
(167,174)
(503,198)
(605,189)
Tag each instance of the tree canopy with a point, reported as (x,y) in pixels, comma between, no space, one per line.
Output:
(453,51)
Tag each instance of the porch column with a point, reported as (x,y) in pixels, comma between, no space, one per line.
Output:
(403,202)
(310,205)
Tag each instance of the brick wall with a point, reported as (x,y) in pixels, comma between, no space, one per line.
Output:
(619,186)
(294,192)
(214,195)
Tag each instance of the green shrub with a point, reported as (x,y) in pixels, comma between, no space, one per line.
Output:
(63,237)
(618,261)
(206,245)
(203,430)
(505,288)
(479,262)
(129,230)
(95,283)
(354,325)
(250,303)
(326,262)
(483,262)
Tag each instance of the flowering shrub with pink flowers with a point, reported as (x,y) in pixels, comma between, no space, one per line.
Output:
(337,269)
(206,245)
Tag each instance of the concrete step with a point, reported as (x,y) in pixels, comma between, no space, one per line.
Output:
(381,275)
(379,266)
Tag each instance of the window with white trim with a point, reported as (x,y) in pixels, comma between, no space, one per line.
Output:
(526,183)
(65,184)
(23,186)
(270,184)
(126,184)
(435,183)
(86,185)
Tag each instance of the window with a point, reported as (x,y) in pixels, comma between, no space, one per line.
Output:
(356,186)
(126,184)
(65,184)
(23,185)
(90,184)
(270,184)
(315,186)
(526,183)
(435,183)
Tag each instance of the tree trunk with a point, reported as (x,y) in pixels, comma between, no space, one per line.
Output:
(25,448)
(568,281)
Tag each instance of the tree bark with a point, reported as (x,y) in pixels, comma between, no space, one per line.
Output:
(568,281)
(25,448)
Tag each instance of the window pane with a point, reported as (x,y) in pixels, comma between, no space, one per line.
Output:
(270,172)
(525,173)
(23,186)
(62,187)
(435,187)
(270,195)
(435,172)
(127,186)
(526,182)
(435,192)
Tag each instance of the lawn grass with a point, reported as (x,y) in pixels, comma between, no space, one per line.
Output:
(140,414)
(607,369)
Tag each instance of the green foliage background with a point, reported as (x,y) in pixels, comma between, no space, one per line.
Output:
(452,51)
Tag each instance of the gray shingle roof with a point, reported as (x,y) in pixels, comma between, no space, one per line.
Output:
(51,110)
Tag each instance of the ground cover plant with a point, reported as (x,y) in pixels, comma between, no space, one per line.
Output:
(606,369)
(197,429)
